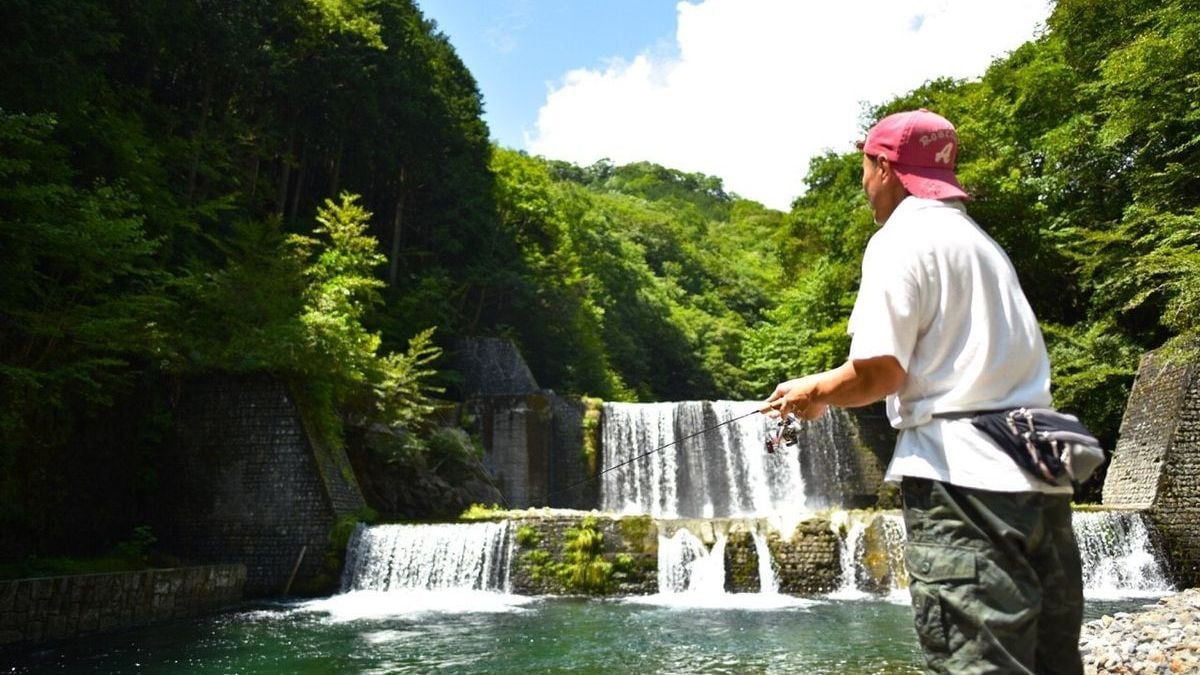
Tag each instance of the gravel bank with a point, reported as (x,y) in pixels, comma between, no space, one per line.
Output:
(1163,638)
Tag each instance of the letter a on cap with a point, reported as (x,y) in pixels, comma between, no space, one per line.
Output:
(945,154)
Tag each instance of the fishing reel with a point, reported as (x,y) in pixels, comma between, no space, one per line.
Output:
(787,433)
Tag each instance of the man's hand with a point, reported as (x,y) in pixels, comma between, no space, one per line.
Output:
(795,397)
(854,383)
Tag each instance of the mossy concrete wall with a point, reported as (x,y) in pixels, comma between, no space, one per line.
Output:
(630,546)
(1156,464)
(806,561)
(533,446)
(35,611)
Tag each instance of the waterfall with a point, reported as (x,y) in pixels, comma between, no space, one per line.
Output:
(460,556)
(766,570)
(707,470)
(871,551)
(685,565)
(849,531)
(1119,556)
(828,463)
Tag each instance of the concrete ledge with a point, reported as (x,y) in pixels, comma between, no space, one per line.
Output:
(45,609)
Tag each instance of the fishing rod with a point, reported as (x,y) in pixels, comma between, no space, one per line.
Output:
(787,434)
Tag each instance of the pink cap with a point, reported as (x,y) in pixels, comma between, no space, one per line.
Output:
(922,147)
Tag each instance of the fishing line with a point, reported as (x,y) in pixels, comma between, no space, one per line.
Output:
(650,452)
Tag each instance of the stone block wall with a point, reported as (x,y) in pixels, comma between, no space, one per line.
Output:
(244,482)
(741,564)
(809,562)
(1156,462)
(806,563)
(34,611)
(492,366)
(540,543)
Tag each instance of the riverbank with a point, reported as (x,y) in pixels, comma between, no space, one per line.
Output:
(1162,638)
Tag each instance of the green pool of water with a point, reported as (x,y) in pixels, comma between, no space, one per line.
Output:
(488,633)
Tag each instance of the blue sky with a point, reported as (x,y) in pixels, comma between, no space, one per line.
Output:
(517,48)
(747,90)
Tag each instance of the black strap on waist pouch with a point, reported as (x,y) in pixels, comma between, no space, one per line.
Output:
(1044,442)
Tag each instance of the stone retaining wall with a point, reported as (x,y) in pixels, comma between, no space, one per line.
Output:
(809,562)
(630,545)
(40,610)
(1157,459)
(247,480)
(806,563)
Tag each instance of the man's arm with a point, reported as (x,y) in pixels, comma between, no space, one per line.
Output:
(854,383)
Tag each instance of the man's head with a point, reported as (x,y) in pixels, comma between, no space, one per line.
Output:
(909,153)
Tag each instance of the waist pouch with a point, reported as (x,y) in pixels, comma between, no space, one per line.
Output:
(1044,442)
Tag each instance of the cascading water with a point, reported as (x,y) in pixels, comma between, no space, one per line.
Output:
(686,565)
(700,459)
(722,472)
(1119,556)
(692,575)
(766,569)
(871,553)
(460,556)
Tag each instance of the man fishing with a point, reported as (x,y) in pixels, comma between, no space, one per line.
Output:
(942,329)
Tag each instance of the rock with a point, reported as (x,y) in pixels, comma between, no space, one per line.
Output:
(1163,638)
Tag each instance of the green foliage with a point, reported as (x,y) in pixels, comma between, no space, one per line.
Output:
(591,434)
(80,302)
(483,512)
(455,445)
(584,568)
(640,533)
(1093,369)
(642,280)
(807,332)
(138,545)
(540,564)
(1089,188)
(176,196)
(528,537)
(134,553)
(350,17)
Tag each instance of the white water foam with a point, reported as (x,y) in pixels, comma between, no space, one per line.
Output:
(453,556)
(768,583)
(1120,559)
(743,601)
(367,605)
(1119,556)
(691,576)
(408,570)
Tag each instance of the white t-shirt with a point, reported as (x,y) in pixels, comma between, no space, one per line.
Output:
(943,298)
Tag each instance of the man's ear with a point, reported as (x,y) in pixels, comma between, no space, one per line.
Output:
(885,168)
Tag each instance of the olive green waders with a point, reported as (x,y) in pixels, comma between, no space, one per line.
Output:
(995,579)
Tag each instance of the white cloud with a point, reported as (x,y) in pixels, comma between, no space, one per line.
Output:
(757,87)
